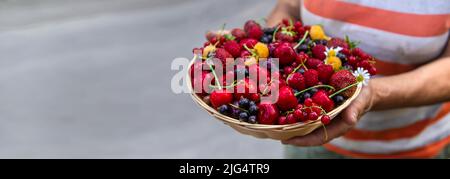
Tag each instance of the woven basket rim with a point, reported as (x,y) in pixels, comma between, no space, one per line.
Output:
(233,121)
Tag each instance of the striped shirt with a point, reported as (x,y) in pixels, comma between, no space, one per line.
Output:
(402,35)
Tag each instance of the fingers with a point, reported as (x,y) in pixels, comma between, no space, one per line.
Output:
(335,129)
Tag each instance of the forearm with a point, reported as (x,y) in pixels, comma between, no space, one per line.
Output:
(428,84)
(289,9)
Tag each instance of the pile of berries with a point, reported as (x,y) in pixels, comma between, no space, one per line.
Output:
(316,73)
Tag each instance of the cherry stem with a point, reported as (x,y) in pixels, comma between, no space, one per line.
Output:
(317,86)
(275,32)
(302,40)
(343,89)
(249,50)
(295,69)
(237,107)
(235,83)
(214,73)
(325,132)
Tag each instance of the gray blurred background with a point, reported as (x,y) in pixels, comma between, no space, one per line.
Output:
(91,79)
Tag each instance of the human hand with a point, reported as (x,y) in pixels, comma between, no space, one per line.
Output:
(339,125)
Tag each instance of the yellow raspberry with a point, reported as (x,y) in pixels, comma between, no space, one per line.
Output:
(250,61)
(262,50)
(316,32)
(207,50)
(334,61)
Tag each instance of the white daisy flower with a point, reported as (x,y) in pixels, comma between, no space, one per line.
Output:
(329,52)
(362,76)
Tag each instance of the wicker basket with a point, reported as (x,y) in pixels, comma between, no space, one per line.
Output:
(277,132)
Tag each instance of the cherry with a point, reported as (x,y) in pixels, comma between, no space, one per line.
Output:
(325,119)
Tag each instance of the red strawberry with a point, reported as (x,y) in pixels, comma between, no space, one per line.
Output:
(267,113)
(325,72)
(220,97)
(223,55)
(250,43)
(342,79)
(239,34)
(255,32)
(313,63)
(285,53)
(233,48)
(345,51)
(321,98)
(318,51)
(286,99)
(337,42)
(296,81)
(311,77)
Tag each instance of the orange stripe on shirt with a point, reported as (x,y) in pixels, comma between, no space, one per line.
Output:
(428,151)
(398,133)
(391,21)
(389,68)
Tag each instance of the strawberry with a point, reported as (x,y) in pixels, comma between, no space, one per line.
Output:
(239,34)
(318,51)
(313,63)
(311,77)
(285,53)
(233,48)
(220,97)
(267,113)
(286,99)
(342,79)
(321,98)
(337,42)
(325,72)
(223,55)
(250,43)
(296,81)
